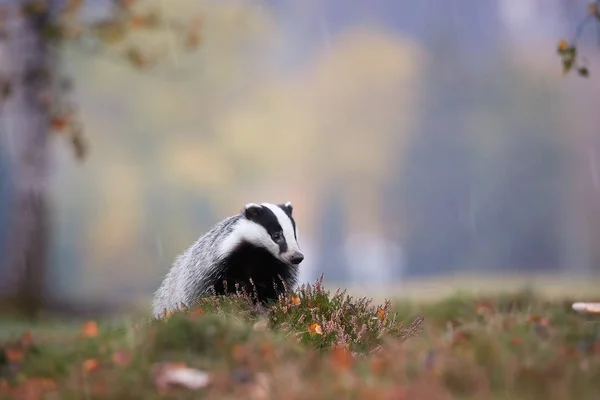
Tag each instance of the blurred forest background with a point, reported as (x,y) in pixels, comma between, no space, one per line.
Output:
(414,138)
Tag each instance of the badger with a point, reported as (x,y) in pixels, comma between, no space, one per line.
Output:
(256,249)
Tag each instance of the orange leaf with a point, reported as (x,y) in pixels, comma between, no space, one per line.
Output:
(461,337)
(381,314)
(14,354)
(483,307)
(563,45)
(122,357)
(59,123)
(90,329)
(196,312)
(341,358)
(295,300)
(91,365)
(544,321)
(315,329)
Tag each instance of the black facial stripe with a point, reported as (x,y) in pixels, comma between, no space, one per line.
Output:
(289,214)
(269,221)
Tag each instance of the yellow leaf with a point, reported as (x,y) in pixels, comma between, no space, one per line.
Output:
(89,329)
(295,300)
(315,329)
(91,365)
(381,314)
(563,45)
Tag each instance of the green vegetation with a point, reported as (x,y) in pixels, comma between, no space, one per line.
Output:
(315,344)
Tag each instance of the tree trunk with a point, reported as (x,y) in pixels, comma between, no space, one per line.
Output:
(27,64)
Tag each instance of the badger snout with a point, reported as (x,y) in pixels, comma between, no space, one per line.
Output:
(296,258)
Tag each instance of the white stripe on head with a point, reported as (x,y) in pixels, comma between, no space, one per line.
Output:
(286,226)
(251,232)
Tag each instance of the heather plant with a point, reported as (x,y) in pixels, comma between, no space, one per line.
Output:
(316,317)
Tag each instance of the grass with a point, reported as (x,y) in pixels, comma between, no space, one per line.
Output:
(317,344)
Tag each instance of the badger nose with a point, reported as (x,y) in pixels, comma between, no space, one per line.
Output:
(296,258)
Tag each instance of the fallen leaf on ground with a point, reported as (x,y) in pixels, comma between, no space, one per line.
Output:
(14,354)
(122,357)
(315,329)
(341,358)
(170,374)
(484,307)
(91,365)
(89,329)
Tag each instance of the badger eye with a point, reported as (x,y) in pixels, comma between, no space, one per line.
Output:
(277,236)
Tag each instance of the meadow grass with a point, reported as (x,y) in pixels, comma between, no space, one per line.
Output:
(317,344)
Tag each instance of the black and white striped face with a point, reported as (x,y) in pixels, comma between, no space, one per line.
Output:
(271,226)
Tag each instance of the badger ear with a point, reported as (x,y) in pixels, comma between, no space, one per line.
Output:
(289,206)
(252,210)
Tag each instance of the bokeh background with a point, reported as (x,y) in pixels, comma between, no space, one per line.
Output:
(419,141)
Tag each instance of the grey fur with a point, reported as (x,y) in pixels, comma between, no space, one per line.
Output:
(193,269)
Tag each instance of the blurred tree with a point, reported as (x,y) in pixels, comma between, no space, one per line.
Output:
(481,185)
(35,103)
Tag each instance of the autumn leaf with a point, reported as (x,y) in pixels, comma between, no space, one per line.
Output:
(538,319)
(517,341)
(381,314)
(483,307)
(122,357)
(341,358)
(295,300)
(461,337)
(89,329)
(315,329)
(14,354)
(91,365)
(59,123)
(563,45)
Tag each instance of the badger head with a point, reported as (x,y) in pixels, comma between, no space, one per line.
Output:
(272,227)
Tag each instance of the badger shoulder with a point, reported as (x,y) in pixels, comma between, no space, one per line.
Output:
(191,269)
